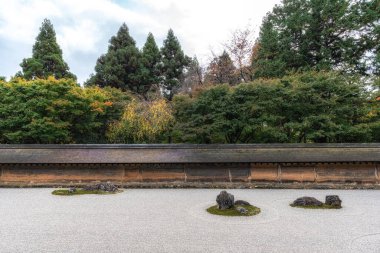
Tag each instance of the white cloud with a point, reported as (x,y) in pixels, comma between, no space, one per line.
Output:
(84,26)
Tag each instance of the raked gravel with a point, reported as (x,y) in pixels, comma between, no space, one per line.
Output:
(175,220)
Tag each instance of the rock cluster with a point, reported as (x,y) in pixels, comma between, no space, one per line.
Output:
(331,200)
(107,187)
(225,200)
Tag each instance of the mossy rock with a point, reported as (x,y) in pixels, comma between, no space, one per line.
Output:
(323,206)
(252,210)
(66,192)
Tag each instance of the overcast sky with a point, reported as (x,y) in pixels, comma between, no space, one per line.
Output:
(84,27)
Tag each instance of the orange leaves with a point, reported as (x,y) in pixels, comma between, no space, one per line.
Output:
(100,107)
(108,103)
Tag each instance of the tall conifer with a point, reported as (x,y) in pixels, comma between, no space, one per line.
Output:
(119,67)
(47,58)
(150,62)
(173,63)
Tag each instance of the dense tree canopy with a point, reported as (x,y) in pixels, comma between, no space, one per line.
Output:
(47,58)
(318,34)
(56,111)
(308,107)
(314,78)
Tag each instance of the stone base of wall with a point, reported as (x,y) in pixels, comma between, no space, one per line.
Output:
(215,175)
(205,185)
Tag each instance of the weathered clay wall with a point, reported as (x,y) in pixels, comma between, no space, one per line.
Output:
(213,173)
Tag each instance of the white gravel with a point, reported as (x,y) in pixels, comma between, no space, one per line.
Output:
(175,220)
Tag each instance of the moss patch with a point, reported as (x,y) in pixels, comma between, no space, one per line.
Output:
(324,206)
(65,192)
(252,210)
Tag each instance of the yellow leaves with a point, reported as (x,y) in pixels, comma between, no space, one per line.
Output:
(148,119)
(143,121)
(100,107)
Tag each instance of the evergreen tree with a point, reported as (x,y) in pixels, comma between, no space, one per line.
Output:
(377,49)
(268,61)
(150,62)
(173,64)
(317,34)
(47,57)
(119,67)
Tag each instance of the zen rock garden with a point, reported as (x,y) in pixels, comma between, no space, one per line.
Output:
(331,202)
(227,206)
(101,188)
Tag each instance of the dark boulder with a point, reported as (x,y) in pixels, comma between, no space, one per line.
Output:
(242,203)
(225,200)
(333,200)
(307,201)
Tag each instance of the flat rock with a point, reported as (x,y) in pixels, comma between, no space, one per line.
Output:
(225,200)
(242,203)
(307,201)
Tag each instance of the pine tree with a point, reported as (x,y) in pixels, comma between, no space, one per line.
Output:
(317,34)
(149,73)
(119,67)
(47,57)
(173,64)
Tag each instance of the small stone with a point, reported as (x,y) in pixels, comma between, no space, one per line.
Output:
(333,200)
(225,200)
(242,203)
(307,201)
(241,210)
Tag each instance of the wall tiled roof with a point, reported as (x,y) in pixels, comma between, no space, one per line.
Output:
(89,153)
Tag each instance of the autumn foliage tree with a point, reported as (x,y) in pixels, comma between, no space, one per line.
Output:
(142,122)
(240,48)
(56,111)
(221,70)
